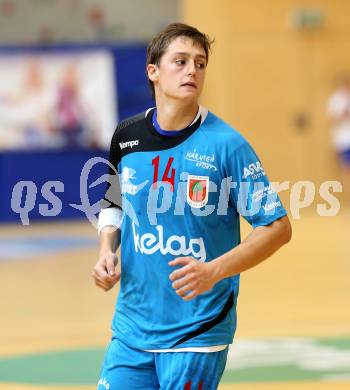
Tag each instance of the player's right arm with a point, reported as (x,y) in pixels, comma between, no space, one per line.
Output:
(110,217)
(109,222)
(104,272)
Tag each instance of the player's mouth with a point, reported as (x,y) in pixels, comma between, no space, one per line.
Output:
(189,84)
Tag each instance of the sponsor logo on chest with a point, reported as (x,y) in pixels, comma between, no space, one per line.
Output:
(149,244)
(197,190)
(204,161)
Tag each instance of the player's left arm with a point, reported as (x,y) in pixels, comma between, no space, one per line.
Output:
(194,277)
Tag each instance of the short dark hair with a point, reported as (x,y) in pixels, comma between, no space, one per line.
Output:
(162,40)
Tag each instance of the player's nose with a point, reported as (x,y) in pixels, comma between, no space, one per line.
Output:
(191,70)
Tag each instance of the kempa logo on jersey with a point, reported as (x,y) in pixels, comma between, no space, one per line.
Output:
(255,170)
(201,160)
(271,206)
(128,144)
(149,244)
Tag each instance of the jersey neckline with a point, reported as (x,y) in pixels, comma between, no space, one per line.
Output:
(179,134)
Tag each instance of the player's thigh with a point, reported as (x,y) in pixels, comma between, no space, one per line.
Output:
(127,368)
(190,370)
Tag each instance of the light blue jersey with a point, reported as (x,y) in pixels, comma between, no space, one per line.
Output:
(182,195)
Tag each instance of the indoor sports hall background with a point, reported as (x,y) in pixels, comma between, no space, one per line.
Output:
(69,71)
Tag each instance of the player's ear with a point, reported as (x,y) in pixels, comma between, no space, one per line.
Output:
(152,72)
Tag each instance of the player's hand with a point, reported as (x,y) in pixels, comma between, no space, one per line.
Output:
(192,279)
(104,272)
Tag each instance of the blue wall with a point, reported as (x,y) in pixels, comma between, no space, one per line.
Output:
(66,166)
(40,167)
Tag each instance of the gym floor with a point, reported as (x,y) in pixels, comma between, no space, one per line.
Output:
(293,311)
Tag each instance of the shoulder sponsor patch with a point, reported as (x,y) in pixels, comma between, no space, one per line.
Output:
(129,144)
(253,170)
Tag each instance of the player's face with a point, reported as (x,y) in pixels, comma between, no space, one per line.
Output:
(181,70)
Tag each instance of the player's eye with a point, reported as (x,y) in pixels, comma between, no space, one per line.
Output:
(200,65)
(180,62)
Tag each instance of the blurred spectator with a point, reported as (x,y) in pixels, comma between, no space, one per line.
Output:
(69,111)
(25,115)
(339,113)
(73,116)
(52,102)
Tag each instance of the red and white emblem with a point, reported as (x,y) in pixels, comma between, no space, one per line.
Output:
(197,191)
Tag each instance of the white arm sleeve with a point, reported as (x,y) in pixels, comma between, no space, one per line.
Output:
(109,217)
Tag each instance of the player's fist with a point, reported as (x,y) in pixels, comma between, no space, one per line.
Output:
(104,272)
(192,278)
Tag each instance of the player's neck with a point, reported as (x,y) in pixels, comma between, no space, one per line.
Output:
(175,115)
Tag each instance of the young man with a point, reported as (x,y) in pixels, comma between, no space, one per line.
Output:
(185,176)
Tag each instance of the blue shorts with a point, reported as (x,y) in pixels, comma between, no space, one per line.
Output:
(126,368)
